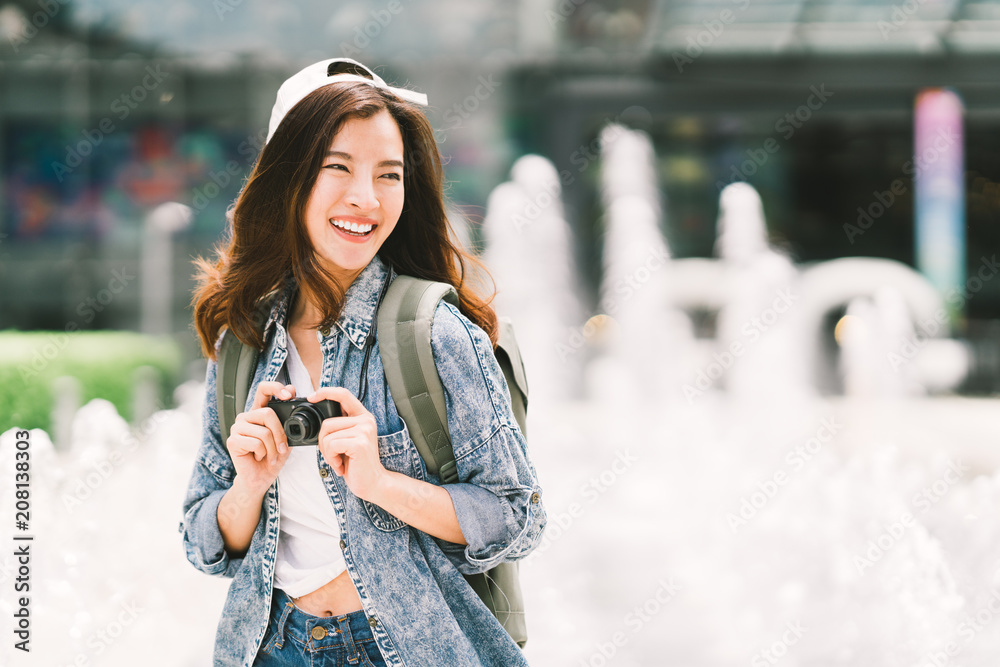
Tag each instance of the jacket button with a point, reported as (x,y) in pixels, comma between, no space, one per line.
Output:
(373,621)
(343,544)
(535,498)
(325,331)
(324,473)
(318,632)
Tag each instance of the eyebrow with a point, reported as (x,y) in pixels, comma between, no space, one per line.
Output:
(347,156)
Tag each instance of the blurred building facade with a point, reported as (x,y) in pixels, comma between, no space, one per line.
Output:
(112,108)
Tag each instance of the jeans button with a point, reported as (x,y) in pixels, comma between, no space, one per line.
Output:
(343,544)
(324,473)
(318,632)
(534,498)
(373,621)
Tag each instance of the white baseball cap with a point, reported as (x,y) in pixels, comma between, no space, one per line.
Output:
(317,75)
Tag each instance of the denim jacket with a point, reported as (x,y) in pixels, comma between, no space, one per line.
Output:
(421,609)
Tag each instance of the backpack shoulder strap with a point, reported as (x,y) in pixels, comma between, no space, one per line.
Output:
(404,338)
(235,369)
(236,365)
(509,356)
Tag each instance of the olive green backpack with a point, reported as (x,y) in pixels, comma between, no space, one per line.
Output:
(404,336)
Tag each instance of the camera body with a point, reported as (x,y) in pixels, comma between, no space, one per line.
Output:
(301,419)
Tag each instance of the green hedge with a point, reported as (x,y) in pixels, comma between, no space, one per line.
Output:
(102,361)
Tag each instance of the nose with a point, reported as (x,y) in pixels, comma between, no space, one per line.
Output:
(361,194)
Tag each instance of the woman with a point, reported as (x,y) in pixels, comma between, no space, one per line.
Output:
(361,562)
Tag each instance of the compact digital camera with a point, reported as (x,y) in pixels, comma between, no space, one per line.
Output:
(302,419)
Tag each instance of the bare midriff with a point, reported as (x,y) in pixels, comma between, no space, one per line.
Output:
(335,597)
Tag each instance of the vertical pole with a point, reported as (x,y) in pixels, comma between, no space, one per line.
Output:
(157,266)
(156,279)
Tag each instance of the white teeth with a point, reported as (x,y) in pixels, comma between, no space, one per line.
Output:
(352,226)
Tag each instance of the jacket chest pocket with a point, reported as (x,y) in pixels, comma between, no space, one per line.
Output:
(397,453)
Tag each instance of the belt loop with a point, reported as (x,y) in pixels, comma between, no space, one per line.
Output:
(280,630)
(344,622)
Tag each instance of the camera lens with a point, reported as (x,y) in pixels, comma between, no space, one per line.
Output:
(303,424)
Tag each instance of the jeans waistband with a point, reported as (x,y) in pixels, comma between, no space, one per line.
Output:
(319,633)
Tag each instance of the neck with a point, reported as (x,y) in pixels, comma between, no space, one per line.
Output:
(304,311)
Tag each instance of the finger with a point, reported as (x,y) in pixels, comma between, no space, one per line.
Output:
(349,403)
(266,417)
(268,390)
(336,462)
(242,445)
(283,455)
(329,444)
(351,445)
(332,451)
(339,424)
(263,433)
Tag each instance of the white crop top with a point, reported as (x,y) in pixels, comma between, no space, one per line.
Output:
(309,552)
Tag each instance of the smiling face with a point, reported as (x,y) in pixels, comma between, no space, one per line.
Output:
(358,195)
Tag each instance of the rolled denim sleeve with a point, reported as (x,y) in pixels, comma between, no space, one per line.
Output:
(212,476)
(498,500)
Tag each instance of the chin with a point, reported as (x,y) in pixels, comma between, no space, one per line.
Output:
(350,262)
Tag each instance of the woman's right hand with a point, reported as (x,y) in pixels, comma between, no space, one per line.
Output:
(257,442)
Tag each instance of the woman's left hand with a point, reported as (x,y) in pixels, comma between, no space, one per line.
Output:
(350,443)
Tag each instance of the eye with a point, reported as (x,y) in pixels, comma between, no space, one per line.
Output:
(394,176)
(335,165)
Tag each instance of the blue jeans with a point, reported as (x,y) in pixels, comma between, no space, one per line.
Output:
(294,637)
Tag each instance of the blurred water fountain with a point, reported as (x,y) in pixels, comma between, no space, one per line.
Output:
(848,523)
(540,181)
(66,392)
(628,166)
(529,252)
(652,336)
(938,362)
(859,334)
(867,334)
(97,430)
(460,233)
(757,333)
(770,511)
(657,501)
(107,566)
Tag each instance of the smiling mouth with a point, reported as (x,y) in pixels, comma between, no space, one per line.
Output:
(353,228)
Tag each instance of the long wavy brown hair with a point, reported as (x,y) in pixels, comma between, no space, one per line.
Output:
(267,239)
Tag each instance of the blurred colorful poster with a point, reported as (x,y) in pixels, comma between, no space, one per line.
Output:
(60,182)
(940,191)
